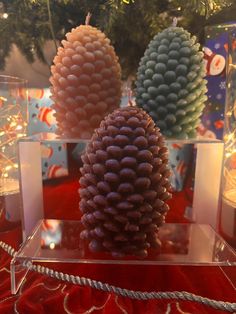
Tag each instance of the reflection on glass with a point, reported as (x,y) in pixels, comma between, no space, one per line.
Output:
(13,125)
(228,211)
(63,237)
(51,234)
(59,240)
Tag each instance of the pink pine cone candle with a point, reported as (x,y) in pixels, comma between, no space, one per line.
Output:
(86,82)
(124,184)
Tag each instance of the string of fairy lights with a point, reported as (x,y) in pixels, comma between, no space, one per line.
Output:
(12,127)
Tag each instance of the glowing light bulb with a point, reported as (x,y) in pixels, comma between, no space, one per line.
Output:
(229,114)
(12,124)
(3,98)
(20,135)
(5,15)
(52,245)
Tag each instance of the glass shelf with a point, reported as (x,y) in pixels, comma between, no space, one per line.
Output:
(48,137)
(57,242)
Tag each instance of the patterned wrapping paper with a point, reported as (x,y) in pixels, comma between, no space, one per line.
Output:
(180,161)
(215,55)
(41,119)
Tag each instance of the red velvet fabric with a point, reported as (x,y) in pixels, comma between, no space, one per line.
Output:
(41,294)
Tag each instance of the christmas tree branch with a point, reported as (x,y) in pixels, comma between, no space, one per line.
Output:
(51,25)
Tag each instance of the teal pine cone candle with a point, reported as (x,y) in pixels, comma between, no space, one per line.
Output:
(170,83)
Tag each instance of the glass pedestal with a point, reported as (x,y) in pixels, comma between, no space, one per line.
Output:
(57,242)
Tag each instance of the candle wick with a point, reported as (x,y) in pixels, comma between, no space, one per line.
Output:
(87,19)
(174,22)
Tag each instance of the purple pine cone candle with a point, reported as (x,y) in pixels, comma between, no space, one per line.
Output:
(124,184)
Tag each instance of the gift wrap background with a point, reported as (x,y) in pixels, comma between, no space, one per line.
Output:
(215,55)
(41,119)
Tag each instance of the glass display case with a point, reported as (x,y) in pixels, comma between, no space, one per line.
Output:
(13,125)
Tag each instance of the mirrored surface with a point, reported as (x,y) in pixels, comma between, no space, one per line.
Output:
(191,244)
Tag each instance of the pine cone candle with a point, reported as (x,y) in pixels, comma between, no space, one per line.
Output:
(86,82)
(124,184)
(170,84)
